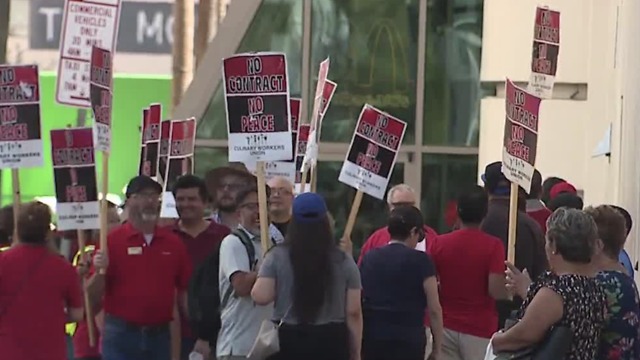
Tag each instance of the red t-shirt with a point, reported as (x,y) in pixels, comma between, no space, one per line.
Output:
(33,319)
(464,259)
(198,249)
(81,346)
(141,280)
(540,216)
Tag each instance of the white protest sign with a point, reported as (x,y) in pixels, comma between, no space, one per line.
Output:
(85,24)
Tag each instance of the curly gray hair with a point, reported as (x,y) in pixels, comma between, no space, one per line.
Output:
(574,234)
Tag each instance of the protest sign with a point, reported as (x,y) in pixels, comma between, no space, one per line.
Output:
(143,167)
(151,141)
(546,48)
(257,105)
(373,151)
(520,135)
(327,94)
(286,169)
(74,171)
(85,24)
(180,161)
(301,149)
(100,87)
(20,133)
(311,155)
(165,135)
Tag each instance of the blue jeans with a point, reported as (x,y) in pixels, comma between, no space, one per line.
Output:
(121,341)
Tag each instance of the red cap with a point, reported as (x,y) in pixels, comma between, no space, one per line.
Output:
(563,187)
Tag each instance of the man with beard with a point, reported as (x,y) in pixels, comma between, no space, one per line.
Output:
(138,277)
(280,203)
(223,184)
(201,237)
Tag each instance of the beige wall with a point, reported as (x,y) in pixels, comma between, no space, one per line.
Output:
(597,69)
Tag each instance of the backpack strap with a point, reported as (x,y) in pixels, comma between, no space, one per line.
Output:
(248,245)
(251,253)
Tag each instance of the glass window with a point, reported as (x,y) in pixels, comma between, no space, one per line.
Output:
(277,26)
(208,158)
(443,177)
(373,212)
(373,49)
(452,88)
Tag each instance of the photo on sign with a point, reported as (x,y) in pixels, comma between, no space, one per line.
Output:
(177,168)
(149,161)
(76,184)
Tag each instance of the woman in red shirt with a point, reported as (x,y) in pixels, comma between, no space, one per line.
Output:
(36,286)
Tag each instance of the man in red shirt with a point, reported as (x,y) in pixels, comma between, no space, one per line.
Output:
(138,276)
(201,237)
(398,195)
(470,267)
(535,207)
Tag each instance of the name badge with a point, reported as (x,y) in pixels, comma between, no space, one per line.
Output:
(134,250)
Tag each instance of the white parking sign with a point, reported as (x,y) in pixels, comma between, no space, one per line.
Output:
(85,24)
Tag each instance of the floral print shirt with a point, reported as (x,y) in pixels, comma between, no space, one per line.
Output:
(584,310)
(620,338)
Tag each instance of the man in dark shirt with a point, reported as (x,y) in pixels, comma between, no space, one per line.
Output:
(398,282)
(535,207)
(201,237)
(530,241)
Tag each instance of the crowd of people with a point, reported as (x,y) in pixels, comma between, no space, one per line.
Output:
(200,286)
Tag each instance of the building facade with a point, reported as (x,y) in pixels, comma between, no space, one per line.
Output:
(417,60)
(441,66)
(588,131)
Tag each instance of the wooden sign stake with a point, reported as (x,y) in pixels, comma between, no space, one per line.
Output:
(353,214)
(104,204)
(303,181)
(265,239)
(87,304)
(15,182)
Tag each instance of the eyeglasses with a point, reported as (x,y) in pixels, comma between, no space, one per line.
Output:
(403,203)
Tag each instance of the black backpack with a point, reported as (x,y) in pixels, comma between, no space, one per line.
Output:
(204,300)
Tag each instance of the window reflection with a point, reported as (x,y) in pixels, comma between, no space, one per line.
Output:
(373,212)
(206,159)
(277,26)
(453,92)
(443,177)
(372,45)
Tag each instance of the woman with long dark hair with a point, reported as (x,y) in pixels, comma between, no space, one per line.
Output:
(315,286)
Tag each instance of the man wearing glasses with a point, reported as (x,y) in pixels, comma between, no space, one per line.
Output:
(240,252)
(138,277)
(280,203)
(399,195)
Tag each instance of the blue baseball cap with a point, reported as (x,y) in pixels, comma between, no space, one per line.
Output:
(309,208)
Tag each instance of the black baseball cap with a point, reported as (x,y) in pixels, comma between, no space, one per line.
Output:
(494,180)
(141,183)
